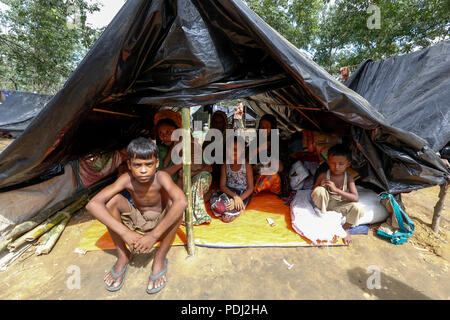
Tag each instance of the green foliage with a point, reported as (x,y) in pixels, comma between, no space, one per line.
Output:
(345,38)
(42,41)
(337,33)
(296,20)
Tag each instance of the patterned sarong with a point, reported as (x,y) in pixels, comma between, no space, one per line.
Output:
(200,185)
(270,183)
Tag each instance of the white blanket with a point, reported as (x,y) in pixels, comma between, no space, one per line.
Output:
(310,223)
(314,225)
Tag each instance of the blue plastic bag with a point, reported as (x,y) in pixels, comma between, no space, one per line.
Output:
(406,225)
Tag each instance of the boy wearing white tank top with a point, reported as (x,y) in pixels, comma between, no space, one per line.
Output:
(335,190)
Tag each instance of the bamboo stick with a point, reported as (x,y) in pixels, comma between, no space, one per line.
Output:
(48,240)
(116,113)
(49,223)
(39,230)
(26,226)
(439,207)
(186,124)
(4,244)
(299,110)
(308,108)
(12,256)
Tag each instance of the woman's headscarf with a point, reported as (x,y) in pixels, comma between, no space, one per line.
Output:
(168,114)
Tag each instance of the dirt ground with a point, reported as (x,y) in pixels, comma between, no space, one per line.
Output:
(414,270)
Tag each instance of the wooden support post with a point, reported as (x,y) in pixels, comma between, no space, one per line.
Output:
(439,207)
(188,218)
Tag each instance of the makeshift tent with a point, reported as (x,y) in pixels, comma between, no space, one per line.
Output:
(17,112)
(189,52)
(411,91)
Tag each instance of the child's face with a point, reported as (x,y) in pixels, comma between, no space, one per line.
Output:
(143,170)
(338,164)
(165,133)
(265,125)
(217,122)
(237,150)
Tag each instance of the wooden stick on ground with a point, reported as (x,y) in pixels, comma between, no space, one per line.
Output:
(26,226)
(4,244)
(439,207)
(12,256)
(49,223)
(48,240)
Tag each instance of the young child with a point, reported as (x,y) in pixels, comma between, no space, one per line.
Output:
(335,190)
(157,213)
(236,185)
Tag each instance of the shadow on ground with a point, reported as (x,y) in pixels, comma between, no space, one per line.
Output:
(378,284)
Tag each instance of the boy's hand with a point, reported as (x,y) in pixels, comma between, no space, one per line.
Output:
(329,185)
(131,238)
(145,243)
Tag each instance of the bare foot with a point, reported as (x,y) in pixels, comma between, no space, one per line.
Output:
(118,267)
(158,266)
(348,239)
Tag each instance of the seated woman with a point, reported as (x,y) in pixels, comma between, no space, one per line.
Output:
(264,182)
(236,186)
(219,121)
(166,122)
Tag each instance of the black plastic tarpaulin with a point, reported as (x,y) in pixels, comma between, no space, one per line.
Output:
(17,112)
(412,91)
(186,52)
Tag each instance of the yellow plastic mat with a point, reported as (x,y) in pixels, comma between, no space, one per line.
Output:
(250,229)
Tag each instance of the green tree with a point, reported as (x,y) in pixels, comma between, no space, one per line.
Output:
(42,41)
(296,20)
(347,34)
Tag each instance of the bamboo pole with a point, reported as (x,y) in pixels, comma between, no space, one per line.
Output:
(4,244)
(439,207)
(26,226)
(298,109)
(12,256)
(308,108)
(48,240)
(49,223)
(116,113)
(186,124)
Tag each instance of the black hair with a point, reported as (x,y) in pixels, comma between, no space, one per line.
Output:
(167,121)
(271,119)
(142,148)
(340,150)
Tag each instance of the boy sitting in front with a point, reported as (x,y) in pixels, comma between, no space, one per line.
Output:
(157,213)
(335,190)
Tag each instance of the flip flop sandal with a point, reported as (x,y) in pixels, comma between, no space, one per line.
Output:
(116,276)
(156,277)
